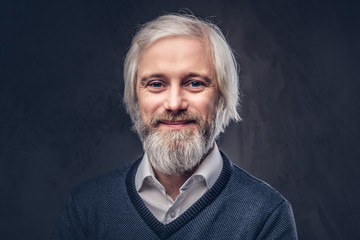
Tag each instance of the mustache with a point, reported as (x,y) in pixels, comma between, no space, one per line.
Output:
(181,116)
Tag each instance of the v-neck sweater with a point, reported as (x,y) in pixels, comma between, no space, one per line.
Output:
(160,204)
(238,206)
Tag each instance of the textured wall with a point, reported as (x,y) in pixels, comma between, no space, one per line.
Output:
(62,119)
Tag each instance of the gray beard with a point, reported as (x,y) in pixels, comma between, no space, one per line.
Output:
(175,152)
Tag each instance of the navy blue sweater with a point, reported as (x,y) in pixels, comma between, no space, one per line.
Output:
(238,206)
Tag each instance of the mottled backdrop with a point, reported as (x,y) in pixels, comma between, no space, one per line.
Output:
(62,119)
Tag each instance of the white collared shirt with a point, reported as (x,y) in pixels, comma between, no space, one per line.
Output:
(161,205)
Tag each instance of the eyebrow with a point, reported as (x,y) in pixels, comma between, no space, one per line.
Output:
(146,78)
(204,77)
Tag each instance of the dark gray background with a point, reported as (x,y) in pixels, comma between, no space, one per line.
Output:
(62,119)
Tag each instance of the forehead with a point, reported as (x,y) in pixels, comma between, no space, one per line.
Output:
(178,53)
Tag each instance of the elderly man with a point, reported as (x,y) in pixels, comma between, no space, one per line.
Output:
(181,91)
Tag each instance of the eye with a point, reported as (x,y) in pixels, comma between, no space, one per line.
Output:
(196,85)
(156,86)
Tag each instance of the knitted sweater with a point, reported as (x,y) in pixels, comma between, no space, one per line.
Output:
(238,206)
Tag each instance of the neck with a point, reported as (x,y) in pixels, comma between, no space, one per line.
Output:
(173,183)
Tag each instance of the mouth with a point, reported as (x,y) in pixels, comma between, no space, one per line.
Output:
(176,124)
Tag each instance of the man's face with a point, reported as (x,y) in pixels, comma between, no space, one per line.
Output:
(176,75)
(177,97)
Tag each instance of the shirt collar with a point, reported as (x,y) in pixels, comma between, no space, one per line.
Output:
(210,169)
(144,171)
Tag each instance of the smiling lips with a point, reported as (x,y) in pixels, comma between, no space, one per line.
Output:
(177,124)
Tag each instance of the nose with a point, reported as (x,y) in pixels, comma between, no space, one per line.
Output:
(175,101)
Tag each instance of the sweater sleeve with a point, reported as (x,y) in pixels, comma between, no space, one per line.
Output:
(69,226)
(280,224)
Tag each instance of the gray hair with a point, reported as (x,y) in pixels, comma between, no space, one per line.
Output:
(187,25)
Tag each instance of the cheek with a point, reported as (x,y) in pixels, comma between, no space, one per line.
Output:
(148,107)
(206,107)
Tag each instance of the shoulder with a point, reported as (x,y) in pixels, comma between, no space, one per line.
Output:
(253,192)
(247,183)
(91,204)
(102,186)
(258,206)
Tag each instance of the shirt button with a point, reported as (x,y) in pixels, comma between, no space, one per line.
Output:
(172,214)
